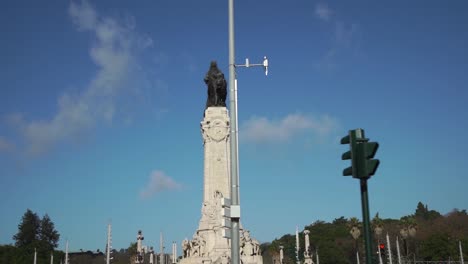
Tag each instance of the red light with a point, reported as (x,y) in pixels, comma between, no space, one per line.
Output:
(382,246)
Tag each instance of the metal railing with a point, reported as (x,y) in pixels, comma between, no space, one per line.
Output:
(436,262)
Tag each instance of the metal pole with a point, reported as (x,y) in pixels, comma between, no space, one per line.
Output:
(398,251)
(389,246)
(379,252)
(161,249)
(174,252)
(461,252)
(297,246)
(366,220)
(235,248)
(405,248)
(108,249)
(66,253)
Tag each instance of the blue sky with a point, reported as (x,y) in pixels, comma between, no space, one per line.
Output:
(101,102)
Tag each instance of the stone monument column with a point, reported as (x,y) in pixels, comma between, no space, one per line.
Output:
(208,244)
(216,180)
(215,131)
(307,251)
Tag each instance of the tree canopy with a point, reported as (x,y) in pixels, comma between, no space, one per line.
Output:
(48,235)
(28,229)
(430,236)
(34,235)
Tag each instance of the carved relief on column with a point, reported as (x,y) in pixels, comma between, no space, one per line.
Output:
(215,129)
(215,132)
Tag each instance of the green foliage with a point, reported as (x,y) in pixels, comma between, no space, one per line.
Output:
(132,249)
(438,247)
(48,236)
(34,234)
(268,257)
(423,213)
(13,255)
(354,222)
(331,252)
(430,236)
(377,221)
(7,254)
(28,229)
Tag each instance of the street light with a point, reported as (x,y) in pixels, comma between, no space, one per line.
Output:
(235,205)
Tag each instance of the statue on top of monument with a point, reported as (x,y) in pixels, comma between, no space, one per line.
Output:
(216,83)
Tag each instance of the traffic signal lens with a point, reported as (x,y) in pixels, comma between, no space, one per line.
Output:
(382,246)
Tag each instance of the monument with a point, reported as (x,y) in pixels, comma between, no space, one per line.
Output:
(139,258)
(307,250)
(208,244)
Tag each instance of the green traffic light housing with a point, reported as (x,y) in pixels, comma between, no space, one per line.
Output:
(351,154)
(370,148)
(361,154)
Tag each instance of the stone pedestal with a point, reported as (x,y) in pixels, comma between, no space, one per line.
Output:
(208,245)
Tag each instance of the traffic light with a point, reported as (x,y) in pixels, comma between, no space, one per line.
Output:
(361,154)
(352,153)
(371,164)
(382,249)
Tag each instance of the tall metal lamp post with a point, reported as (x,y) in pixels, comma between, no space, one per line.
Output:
(235,205)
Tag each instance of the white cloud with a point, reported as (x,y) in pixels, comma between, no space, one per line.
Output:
(84,16)
(263,130)
(344,39)
(159,182)
(323,12)
(114,51)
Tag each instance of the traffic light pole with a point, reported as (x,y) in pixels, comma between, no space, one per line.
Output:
(366,220)
(363,166)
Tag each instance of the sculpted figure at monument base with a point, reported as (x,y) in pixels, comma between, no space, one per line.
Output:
(209,246)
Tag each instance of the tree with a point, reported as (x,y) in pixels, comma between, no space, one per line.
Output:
(48,236)
(28,229)
(340,221)
(355,228)
(34,235)
(438,247)
(423,213)
(377,225)
(132,250)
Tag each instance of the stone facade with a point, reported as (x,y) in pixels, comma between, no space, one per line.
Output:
(208,244)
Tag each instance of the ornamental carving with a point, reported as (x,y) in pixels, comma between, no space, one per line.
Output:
(216,130)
